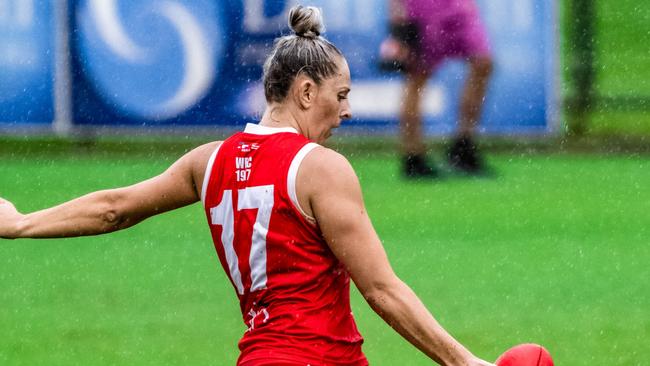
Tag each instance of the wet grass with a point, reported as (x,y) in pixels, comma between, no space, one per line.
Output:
(552,250)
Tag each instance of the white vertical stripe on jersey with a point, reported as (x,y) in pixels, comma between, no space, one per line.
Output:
(208,172)
(293,172)
(261,198)
(223,215)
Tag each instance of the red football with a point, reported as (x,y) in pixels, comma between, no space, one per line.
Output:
(525,355)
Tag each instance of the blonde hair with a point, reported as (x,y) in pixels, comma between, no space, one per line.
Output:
(304,51)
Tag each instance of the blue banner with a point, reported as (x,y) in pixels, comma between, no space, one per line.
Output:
(198,62)
(27,39)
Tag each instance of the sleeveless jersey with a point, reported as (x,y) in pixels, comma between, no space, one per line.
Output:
(293,292)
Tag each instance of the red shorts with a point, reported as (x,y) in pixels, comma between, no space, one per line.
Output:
(307,356)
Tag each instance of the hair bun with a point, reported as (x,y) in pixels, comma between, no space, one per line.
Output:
(306,21)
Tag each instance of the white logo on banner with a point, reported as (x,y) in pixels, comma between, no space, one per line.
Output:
(199,63)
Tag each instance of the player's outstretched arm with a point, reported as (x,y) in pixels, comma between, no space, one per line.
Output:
(336,202)
(113,209)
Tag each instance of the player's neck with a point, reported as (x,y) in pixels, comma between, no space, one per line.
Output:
(278,115)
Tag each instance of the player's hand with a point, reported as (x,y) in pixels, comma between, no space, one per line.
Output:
(9,218)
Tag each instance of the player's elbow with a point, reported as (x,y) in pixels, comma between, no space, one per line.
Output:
(111,219)
(380,294)
(111,214)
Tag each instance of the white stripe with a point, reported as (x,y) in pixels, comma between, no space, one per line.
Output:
(382,99)
(293,172)
(208,171)
(223,215)
(266,130)
(376,99)
(261,198)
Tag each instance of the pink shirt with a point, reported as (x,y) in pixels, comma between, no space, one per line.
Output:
(417,9)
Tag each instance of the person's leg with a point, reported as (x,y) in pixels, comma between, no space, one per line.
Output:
(470,43)
(462,154)
(480,69)
(410,114)
(411,129)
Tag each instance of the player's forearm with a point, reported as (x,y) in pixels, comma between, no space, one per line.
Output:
(398,305)
(92,214)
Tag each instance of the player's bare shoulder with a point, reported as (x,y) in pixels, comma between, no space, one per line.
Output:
(325,173)
(326,164)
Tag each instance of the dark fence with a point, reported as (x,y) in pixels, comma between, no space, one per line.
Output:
(606,58)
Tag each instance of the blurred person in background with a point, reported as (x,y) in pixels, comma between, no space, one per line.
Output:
(286,216)
(424,33)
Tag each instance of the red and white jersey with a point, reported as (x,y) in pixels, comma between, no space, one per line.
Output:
(293,292)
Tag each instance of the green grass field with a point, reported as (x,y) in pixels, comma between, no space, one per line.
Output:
(554,250)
